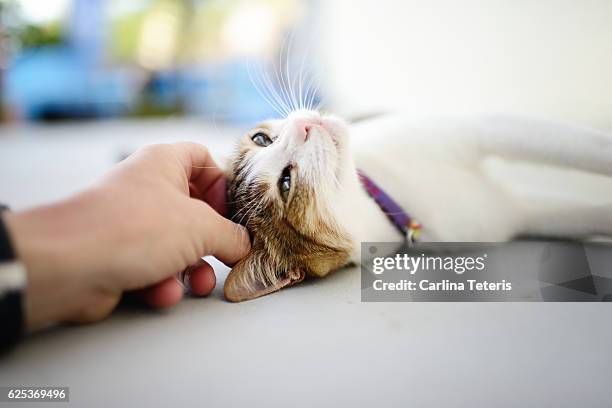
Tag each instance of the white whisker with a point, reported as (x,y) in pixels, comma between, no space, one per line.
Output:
(274,92)
(287,69)
(313,94)
(262,93)
(284,85)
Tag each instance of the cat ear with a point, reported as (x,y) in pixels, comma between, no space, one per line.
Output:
(255,276)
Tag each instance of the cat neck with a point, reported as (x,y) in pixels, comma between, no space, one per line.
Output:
(362,217)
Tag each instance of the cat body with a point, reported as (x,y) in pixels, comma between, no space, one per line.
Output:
(294,184)
(488,178)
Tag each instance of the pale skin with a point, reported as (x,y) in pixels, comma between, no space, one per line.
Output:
(155,214)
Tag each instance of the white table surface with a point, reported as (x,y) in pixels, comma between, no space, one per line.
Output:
(312,345)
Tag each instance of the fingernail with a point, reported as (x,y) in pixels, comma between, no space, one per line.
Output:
(183,279)
(246,233)
(187,281)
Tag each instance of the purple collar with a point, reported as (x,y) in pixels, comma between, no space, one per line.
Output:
(402,221)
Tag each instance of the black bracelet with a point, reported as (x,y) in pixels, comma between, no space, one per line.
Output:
(6,249)
(12,284)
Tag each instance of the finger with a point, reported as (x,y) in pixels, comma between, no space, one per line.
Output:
(101,305)
(227,241)
(164,294)
(200,279)
(215,196)
(200,168)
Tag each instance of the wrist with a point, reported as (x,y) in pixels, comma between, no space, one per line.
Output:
(12,285)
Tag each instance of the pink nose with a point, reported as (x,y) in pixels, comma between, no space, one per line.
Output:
(304,126)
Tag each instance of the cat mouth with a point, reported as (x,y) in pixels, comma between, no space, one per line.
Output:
(323,130)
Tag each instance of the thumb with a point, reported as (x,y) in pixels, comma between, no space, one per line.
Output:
(226,240)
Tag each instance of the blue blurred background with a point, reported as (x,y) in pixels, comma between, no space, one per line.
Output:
(85,82)
(131,59)
(88,59)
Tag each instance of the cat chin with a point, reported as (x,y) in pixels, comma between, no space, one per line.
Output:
(338,132)
(336,127)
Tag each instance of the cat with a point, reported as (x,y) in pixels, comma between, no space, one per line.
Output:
(294,184)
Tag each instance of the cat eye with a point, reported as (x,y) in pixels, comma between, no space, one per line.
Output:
(284,183)
(261,139)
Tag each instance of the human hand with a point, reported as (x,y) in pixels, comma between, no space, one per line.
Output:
(155,214)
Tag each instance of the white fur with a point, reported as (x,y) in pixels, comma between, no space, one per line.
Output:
(491,178)
(485,178)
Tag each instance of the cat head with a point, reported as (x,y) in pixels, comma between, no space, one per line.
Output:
(287,181)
